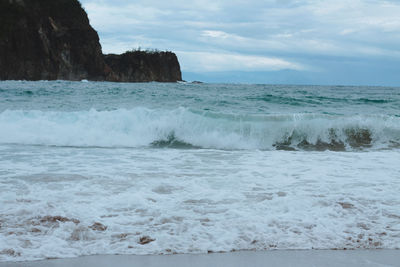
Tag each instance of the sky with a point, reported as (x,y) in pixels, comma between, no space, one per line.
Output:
(336,42)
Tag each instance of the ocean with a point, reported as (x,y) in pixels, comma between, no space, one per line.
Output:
(91,168)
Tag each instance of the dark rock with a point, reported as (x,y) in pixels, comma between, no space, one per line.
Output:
(58,219)
(359,138)
(98,227)
(322,146)
(48,40)
(145,240)
(143,66)
(52,39)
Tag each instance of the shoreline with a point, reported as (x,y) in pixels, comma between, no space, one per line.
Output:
(298,258)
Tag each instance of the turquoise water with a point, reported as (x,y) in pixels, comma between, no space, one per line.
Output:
(185,115)
(90,168)
(237,99)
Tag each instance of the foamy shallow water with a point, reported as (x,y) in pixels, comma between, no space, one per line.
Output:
(111,201)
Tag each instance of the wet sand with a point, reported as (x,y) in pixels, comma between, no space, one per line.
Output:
(277,258)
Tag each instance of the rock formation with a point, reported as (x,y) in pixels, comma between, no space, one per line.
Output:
(142,66)
(52,39)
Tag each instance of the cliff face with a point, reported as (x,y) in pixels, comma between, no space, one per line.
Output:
(140,66)
(48,40)
(52,39)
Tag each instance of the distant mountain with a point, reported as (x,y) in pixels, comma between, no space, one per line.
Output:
(52,39)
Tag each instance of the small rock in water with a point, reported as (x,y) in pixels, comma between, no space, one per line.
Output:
(58,219)
(145,240)
(98,227)
(52,221)
(10,252)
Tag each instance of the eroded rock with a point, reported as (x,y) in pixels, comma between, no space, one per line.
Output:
(53,219)
(145,240)
(98,227)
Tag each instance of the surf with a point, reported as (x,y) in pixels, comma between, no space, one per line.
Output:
(186,128)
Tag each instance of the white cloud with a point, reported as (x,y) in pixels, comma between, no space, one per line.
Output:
(216,34)
(216,61)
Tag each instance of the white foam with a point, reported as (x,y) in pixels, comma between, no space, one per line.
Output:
(194,201)
(141,127)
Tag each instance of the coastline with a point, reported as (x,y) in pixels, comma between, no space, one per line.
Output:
(298,258)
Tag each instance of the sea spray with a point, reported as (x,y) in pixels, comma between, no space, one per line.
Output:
(186,128)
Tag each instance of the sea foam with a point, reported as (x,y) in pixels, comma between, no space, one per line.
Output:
(68,201)
(183,127)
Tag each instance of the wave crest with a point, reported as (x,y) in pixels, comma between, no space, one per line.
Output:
(185,128)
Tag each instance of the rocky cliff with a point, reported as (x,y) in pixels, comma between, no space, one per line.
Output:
(52,39)
(141,66)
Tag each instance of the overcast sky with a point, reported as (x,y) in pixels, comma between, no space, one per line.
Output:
(271,41)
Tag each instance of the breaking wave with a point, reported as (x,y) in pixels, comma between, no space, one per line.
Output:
(185,128)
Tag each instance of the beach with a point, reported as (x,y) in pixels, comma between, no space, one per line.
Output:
(298,258)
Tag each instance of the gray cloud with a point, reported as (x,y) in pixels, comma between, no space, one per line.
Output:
(282,34)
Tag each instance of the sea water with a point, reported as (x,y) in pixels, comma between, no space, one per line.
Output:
(155,168)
